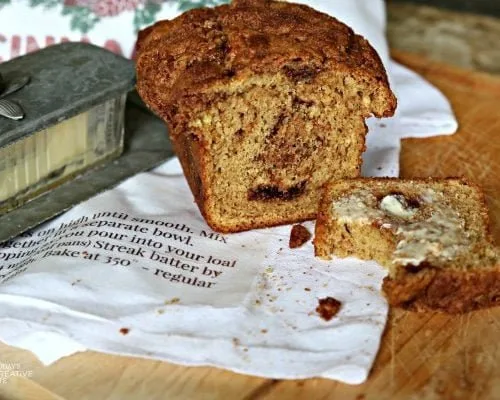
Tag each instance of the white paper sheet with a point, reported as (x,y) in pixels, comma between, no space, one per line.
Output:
(251,308)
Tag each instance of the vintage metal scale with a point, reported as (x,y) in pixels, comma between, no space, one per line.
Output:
(70,126)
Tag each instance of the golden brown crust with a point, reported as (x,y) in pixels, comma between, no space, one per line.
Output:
(191,152)
(449,291)
(249,225)
(179,59)
(322,226)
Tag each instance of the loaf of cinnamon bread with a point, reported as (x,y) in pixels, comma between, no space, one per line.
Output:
(265,102)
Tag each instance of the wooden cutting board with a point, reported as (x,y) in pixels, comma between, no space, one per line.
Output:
(423,356)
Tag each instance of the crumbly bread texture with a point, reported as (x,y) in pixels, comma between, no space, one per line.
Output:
(432,235)
(265,102)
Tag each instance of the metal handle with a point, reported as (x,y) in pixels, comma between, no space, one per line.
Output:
(11,110)
(2,84)
(14,85)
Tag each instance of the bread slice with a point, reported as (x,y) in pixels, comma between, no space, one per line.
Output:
(265,102)
(432,235)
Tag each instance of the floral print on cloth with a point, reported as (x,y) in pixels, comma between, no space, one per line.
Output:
(84,15)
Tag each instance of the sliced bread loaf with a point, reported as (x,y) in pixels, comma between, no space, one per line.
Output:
(265,102)
(432,235)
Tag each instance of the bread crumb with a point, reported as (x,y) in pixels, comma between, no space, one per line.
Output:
(124,331)
(298,236)
(263,330)
(307,289)
(328,307)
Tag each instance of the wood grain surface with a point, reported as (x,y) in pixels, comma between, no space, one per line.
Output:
(423,356)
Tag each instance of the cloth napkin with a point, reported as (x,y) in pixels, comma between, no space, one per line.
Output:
(136,271)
